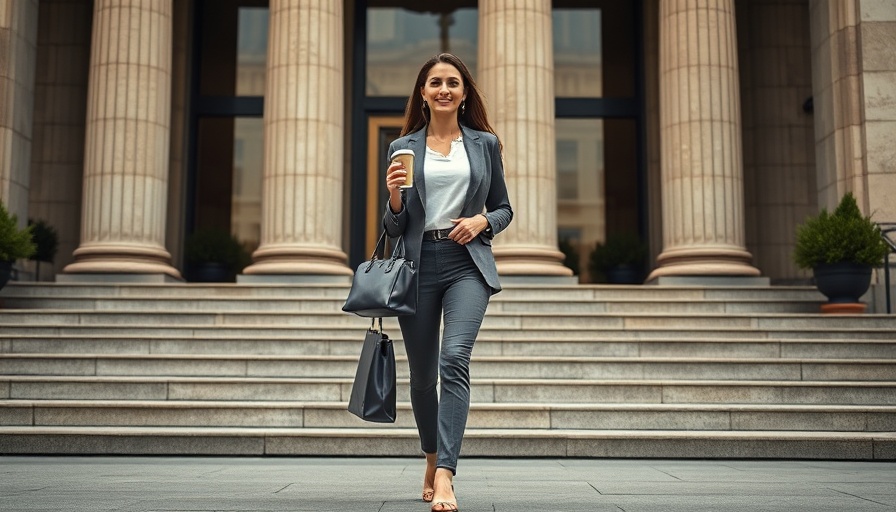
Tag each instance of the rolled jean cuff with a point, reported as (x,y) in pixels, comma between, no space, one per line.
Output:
(442,466)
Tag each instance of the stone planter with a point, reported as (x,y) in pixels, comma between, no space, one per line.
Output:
(209,273)
(623,274)
(842,283)
(5,272)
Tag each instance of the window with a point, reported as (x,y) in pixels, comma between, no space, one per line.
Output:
(401,39)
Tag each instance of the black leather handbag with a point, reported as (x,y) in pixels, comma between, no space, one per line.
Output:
(384,287)
(373,392)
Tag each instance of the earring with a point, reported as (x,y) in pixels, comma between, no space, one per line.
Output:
(463,107)
(424,107)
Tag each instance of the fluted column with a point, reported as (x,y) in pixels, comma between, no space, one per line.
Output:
(18,35)
(700,130)
(301,227)
(126,148)
(516,70)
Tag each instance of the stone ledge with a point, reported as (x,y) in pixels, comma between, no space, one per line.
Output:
(403,442)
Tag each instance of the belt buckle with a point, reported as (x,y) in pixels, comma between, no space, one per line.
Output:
(441,234)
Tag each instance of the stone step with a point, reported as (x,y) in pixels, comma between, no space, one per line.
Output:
(482,390)
(489,367)
(10,333)
(87,413)
(509,321)
(545,293)
(488,344)
(320,305)
(477,442)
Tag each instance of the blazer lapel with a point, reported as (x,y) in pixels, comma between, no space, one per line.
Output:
(476,156)
(417,143)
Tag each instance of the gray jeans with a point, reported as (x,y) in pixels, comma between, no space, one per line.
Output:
(449,282)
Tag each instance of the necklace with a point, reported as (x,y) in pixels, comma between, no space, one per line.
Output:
(450,138)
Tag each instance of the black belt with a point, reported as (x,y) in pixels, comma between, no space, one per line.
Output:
(437,234)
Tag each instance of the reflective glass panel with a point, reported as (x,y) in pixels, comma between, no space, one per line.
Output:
(597,185)
(251,52)
(577,53)
(580,187)
(248,153)
(400,40)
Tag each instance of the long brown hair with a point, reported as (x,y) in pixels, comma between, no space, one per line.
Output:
(473,114)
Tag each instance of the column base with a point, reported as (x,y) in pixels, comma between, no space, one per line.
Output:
(530,261)
(297,260)
(712,261)
(121,260)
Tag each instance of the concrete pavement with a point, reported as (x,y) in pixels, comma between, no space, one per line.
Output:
(173,484)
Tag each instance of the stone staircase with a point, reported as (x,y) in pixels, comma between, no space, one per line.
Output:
(558,371)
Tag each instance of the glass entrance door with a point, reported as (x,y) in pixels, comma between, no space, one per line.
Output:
(227,104)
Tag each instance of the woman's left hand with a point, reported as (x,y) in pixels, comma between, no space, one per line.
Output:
(467,228)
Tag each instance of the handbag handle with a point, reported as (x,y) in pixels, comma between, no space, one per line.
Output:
(380,250)
(383,347)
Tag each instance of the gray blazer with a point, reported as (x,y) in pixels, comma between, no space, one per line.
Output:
(487,195)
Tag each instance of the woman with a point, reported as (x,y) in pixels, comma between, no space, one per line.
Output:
(457,203)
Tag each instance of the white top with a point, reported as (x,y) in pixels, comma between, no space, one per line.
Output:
(447,179)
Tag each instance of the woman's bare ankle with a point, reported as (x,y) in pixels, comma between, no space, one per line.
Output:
(443,485)
(429,477)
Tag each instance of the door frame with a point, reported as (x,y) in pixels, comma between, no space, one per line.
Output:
(375,184)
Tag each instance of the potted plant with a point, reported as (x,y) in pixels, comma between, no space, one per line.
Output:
(15,243)
(213,255)
(619,259)
(46,241)
(570,253)
(841,248)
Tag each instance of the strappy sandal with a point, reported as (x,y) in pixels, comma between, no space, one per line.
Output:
(445,506)
(451,507)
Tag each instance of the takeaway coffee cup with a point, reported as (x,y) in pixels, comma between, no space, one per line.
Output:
(406,157)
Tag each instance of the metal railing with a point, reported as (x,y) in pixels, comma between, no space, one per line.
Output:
(888,233)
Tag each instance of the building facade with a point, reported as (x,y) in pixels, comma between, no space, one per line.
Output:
(707,128)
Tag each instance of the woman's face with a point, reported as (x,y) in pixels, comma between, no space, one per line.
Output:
(443,89)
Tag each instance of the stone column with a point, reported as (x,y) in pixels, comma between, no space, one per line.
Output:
(702,168)
(18,50)
(516,73)
(127,140)
(301,226)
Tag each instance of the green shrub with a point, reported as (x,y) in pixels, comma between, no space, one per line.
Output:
(216,246)
(45,239)
(618,249)
(571,260)
(842,236)
(15,243)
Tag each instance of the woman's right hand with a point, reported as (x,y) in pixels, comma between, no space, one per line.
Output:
(395,177)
